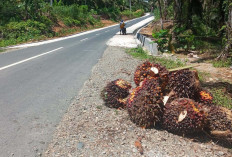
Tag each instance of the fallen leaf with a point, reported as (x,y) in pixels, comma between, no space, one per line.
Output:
(139,146)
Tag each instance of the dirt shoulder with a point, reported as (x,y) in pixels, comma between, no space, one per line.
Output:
(91,129)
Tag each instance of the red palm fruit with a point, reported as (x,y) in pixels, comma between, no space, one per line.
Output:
(184,116)
(184,83)
(150,70)
(220,122)
(145,105)
(205,97)
(114,93)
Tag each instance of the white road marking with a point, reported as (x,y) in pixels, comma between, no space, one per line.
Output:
(84,39)
(107,31)
(97,34)
(25,60)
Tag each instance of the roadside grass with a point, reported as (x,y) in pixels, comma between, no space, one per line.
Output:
(1,50)
(141,54)
(220,98)
(203,76)
(222,63)
(138,53)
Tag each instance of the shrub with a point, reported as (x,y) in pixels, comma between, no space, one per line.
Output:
(223,63)
(161,39)
(16,32)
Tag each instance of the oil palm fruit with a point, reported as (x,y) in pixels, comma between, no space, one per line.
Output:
(150,70)
(205,97)
(220,122)
(184,83)
(115,92)
(183,116)
(163,74)
(144,105)
(143,71)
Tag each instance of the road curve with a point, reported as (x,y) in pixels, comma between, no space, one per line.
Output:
(37,84)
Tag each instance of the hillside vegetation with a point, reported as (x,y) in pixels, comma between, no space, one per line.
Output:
(26,20)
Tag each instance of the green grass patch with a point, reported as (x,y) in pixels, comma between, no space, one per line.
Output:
(141,54)
(1,50)
(138,53)
(132,14)
(203,76)
(220,98)
(222,63)
(168,63)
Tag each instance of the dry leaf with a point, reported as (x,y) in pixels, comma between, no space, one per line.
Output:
(139,146)
(182,115)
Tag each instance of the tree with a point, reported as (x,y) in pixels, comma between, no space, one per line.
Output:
(228,46)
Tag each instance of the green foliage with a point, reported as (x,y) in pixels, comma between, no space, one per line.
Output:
(111,13)
(17,32)
(161,39)
(203,76)
(131,14)
(139,13)
(26,20)
(138,53)
(168,63)
(71,22)
(141,54)
(74,15)
(220,98)
(58,3)
(157,14)
(223,63)
(186,40)
(199,28)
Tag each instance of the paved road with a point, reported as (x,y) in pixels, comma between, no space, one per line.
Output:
(36,92)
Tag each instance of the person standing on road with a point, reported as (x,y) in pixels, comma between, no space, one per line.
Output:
(122,25)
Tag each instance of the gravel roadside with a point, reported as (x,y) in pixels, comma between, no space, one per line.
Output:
(91,129)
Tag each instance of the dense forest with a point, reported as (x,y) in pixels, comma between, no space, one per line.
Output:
(25,20)
(197,24)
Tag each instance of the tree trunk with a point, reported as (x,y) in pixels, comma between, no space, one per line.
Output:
(165,13)
(161,15)
(177,5)
(228,46)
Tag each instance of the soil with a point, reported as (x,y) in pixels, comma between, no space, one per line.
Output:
(107,22)
(154,27)
(61,26)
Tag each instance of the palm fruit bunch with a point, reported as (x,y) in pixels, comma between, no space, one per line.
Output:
(150,70)
(143,71)
(115,93)
(205,97)
(184,83)
(220,122)
(163,74)
(145,106)
(184,116)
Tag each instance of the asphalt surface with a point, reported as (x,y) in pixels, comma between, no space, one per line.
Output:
(35,94)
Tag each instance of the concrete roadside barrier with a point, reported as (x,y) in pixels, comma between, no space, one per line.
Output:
(147,43)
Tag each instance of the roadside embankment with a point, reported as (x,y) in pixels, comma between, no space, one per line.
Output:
(91,129)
